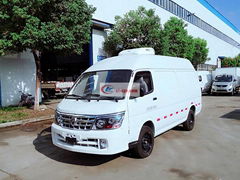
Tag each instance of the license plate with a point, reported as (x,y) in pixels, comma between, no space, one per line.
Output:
(71,141)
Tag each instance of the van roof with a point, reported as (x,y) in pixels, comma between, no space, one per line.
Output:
(135,62)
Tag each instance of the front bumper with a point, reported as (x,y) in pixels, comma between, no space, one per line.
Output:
(222,90)
(89,141)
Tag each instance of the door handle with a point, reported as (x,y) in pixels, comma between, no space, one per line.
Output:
(155,98)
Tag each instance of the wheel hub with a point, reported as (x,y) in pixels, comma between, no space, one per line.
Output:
(147,142)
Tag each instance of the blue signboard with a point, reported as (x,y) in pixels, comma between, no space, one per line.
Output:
(100,58)
(91,50)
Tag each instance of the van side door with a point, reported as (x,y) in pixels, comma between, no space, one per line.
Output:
(141,108)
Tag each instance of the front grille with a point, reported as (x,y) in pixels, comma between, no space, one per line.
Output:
(89,143)
(77,122)
(221,90)
(221,85)
(95,143)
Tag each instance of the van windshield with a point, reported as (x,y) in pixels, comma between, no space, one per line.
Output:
(101,85)
(224,78)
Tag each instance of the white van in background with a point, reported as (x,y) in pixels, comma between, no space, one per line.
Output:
(226,80)
(92,119)
(205,80)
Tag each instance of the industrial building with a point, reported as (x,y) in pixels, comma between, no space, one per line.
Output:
(17,72)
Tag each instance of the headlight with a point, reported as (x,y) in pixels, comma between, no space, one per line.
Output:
(230,86)
(101,123)
(58,118)
(109,121)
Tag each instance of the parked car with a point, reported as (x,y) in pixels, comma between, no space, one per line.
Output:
(205,80)
(158,93)
(226,80)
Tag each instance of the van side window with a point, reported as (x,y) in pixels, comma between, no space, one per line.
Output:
(144,79)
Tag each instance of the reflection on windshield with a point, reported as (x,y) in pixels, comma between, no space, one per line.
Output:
(89,85)
(224,78)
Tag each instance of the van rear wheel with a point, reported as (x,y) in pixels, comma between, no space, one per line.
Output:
(188,125)
(145,143)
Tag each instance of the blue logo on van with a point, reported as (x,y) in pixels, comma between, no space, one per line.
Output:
(107,89)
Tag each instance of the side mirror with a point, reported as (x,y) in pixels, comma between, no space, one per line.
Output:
(234,80)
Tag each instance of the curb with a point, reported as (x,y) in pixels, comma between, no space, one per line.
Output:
(17,123)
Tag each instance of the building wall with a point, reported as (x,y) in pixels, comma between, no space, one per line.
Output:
(17,73)
(108,9)
(98,38)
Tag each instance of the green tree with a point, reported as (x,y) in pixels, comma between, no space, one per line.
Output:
(200,54)
(58,26)
(176,41)
(140,28)
(231,62)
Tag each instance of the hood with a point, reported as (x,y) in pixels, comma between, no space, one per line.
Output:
(72,106)
(222,83)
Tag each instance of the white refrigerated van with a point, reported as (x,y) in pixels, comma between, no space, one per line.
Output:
(91,120)
(205,80)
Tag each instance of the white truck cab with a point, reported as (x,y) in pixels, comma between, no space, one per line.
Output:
(124,102)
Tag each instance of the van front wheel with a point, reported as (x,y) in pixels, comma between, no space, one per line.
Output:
(188,125)
(145,143)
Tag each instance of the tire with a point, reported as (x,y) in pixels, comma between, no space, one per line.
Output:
(145,143)
(209,91)
(234,91)
(188,125)
(45,94)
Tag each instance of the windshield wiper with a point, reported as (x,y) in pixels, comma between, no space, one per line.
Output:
(98,97)
(90,94)
(76,96)
(111,98)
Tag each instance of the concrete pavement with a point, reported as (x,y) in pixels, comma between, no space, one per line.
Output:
(210,151)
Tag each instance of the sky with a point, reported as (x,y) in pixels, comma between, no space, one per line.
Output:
(229,8)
